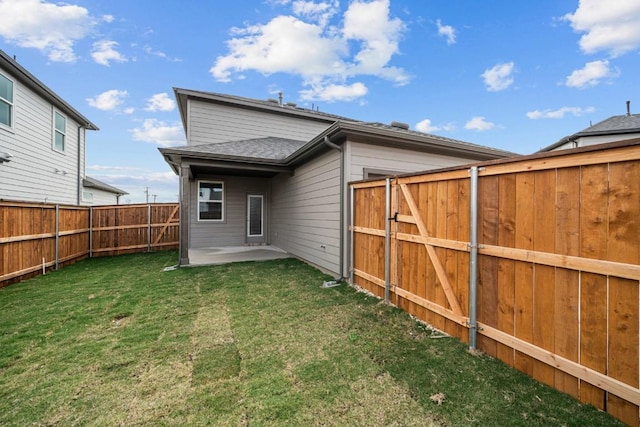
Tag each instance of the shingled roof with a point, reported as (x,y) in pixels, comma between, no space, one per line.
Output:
(614,125)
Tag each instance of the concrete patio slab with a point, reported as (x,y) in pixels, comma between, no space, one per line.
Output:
(224,255)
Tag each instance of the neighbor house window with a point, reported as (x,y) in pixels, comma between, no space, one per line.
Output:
(59,131)
(6,101)
(210,201)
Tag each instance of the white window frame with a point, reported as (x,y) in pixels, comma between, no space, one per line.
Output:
(55,131)
(222,202)
(11,103)
(261,197)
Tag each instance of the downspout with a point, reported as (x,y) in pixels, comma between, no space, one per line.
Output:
(337,147)
(473,258)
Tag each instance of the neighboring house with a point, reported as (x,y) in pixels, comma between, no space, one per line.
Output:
(97,193)
(270,173)
(615,128)
(42,140)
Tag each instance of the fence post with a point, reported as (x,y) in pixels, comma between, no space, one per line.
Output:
(387,240)
(57,250)
(91,232)
(149,227)
(473,258)
(351,233)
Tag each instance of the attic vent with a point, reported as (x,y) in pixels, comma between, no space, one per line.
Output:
(291,104)
(400,125)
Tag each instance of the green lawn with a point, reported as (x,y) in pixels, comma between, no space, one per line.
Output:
(117,341)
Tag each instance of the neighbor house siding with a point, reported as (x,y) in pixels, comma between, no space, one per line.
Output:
(210,123)
(306,212)
(100,197)
(31,174)
(585,141)
(367,156)
(232,230)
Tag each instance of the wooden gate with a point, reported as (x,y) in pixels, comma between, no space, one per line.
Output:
(558,268)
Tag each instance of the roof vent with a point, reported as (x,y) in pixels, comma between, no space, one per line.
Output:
(400,125)
(628,108)
(291,104)
(273,101)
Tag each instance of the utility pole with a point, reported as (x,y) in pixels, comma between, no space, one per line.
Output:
(146,193)
(154,197)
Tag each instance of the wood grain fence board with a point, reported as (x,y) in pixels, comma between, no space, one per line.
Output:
(544,276)
(464,218)
(506,268)
(451,257)
(594,199)
(524,270)
(488,203)
(567,281)
(445,294)
(624,246)
(431,222)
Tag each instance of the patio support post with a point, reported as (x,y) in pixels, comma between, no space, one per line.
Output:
(387,240)
(184,214)
(473,258)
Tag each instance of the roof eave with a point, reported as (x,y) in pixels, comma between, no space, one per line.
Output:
(41,89)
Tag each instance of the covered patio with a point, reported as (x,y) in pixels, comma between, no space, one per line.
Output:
(223,255)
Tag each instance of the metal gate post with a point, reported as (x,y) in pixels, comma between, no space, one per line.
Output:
(351,234)
(387,240)
(473,258)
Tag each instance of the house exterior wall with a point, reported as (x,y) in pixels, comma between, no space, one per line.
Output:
(31,174)
(98,197)
(585,141)
(366,156)
(232,230)
(210,123)
(305,211)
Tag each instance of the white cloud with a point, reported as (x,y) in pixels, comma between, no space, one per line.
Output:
(499,77)
(306,45)
(104,51)
(333,92)
(109,100)
(447,31)
(612,26)
(559,113)
(108,18)
(591,75)
(160,54)
(427,127)
(160,102)
(52,28)
(479,123)
(319,12)
(160,133)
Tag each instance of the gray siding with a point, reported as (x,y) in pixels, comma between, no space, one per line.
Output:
(210,123)
(368,156)
(232,231)
(31,174)
(305,213)
(100,198)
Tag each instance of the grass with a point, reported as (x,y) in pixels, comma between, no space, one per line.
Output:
(117,341)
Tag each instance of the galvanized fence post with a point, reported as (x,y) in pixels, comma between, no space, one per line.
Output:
(387,240)
(473,258)
(351,233)
(149,227)
(57,235)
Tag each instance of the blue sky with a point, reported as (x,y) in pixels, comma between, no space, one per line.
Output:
(515,75)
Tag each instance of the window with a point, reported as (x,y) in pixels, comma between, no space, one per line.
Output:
(210,201)
(59,131)
(6,101)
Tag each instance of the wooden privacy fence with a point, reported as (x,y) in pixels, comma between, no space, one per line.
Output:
(556,264)
(38,237)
